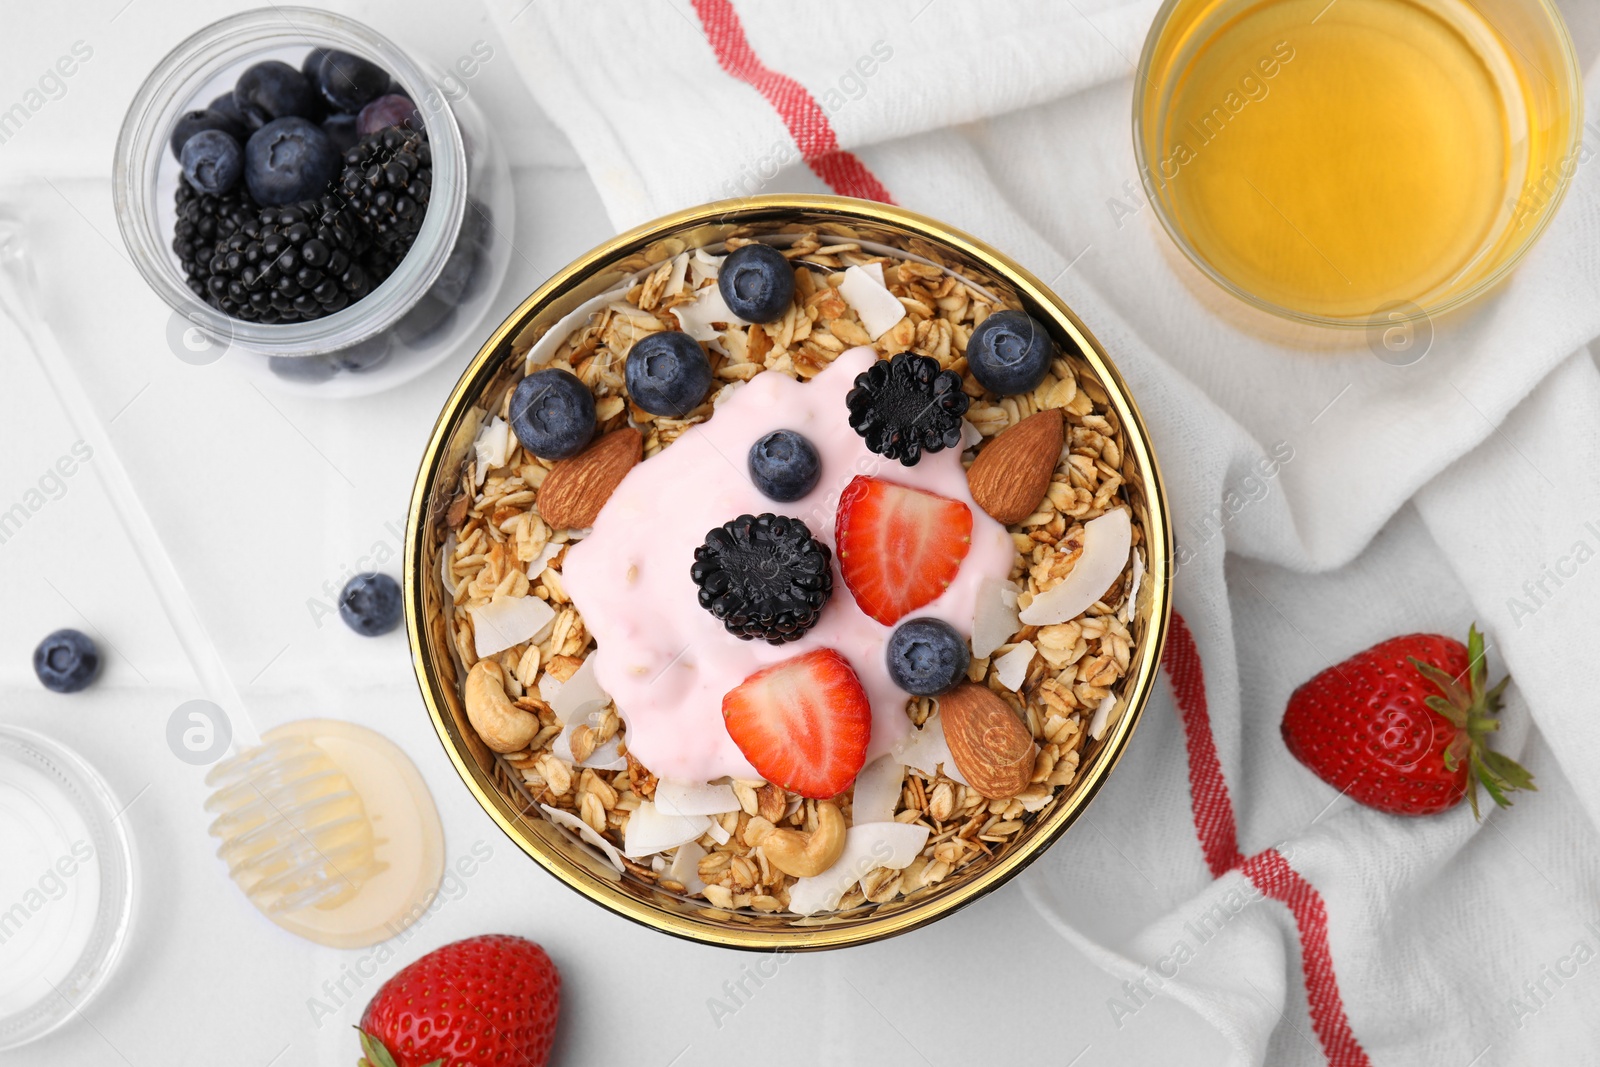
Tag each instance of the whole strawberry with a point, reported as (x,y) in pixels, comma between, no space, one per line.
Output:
(486,1000)
(1403,726)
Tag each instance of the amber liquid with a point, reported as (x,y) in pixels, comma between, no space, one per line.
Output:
(1335,159)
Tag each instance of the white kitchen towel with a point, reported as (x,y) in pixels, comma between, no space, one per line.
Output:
(1322,501)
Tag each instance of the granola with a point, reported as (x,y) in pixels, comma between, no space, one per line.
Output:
(1060,675)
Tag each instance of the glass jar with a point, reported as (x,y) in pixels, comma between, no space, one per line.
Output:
(429,307)
(1368,164)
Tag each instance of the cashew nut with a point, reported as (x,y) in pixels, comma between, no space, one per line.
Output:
(503,726)
(805,855)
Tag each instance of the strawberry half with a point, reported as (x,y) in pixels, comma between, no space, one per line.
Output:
(1403,726)
(803,723)
(487,1000)
(899,548)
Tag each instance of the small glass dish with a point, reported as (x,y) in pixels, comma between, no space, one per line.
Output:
(433,302)
(66,886)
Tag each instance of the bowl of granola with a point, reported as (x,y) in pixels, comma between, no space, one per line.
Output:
(788,572)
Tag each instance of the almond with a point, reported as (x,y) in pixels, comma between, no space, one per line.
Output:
(579,486)
(991,745)
(1012,472)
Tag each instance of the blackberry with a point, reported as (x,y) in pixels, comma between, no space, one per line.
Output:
(764,576)
(386,181)
(203,220)
(906,406)
(291,264)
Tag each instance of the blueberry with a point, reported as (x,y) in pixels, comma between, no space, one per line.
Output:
(288,160)
(1009,353)
(348,82)
(365,355)
(668,373)
(302,368)
(312,63)
(552,413)
(784,465)
(273,90)
(370,604)
(927,656)
(212,161)
(66,661)
(456,277)
(194,122)
(341,130)
(757,283)
(391,110)
(225,105)
(426,317)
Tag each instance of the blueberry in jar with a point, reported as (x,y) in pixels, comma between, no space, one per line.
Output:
(668,373)
(756,282)
(288,160)
(348,82)
(552,413)
(193,122)
(272,90)
(341,130)
(212,161)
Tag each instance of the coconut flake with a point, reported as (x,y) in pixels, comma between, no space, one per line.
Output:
(867,846)
(542,560)
(971,436)
(1102,716)
(685,866)
(876,270)
(879,309)
(703,265)
(678,797)
(995,620)
(578,695)
(1128,605)
(877,790)
(680,269)
(718,834)
(569,821)
(549,686)
(698,318)
(507,621)
(552,340)
(493,446)
(650,830)
(1107,541)
(447,555)
(926,750)
(1012,667)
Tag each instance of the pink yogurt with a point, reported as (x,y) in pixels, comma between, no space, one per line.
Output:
(662,657)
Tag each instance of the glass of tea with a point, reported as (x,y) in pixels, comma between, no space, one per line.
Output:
(1349,162)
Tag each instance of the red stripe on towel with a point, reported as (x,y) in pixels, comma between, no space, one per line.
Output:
(1219,840)
(806,121)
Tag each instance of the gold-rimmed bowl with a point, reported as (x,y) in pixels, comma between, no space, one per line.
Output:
(497,368)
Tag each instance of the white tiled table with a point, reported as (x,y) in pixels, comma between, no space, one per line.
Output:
(265,501)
